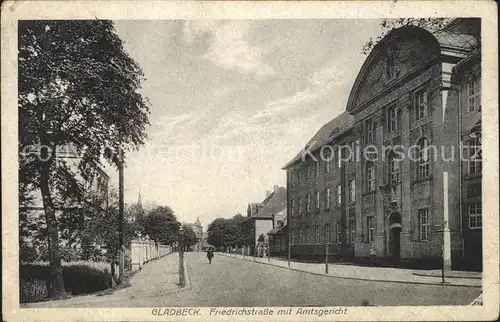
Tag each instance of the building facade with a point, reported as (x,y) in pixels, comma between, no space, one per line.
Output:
(198,230)
(405,154)
(261,219)
(93,181)
(278,236)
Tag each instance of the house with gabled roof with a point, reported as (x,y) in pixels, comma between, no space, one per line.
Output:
(262,218)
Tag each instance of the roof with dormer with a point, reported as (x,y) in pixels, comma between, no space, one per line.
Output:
(273,204)
(326,134)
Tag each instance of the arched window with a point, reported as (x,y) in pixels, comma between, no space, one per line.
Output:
(394,172)
(370,176)
(423,158)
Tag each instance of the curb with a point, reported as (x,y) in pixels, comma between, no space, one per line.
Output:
(362,279)
(187,282)
(448,276)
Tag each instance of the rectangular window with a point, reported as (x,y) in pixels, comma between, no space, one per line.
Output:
(352,230)
(475,216)
(352,191)
(301,236)
(308,203)
(316,166)
(394,168)
(423,220)
(308,235)
(316,234)
(370,228)
(352,152)
(473,95)
(327,234)
(339,195)
(339,233)
(328,197)
(475,156)
(299,205)
(370,176)
(369,130)
(292,202)
(292,232)
(317,200)
(391,119)
(420,105)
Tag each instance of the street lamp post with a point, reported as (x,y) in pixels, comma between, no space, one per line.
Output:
(181,259)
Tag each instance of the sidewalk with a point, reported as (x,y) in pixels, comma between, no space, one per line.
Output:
(156,278)
(381,274)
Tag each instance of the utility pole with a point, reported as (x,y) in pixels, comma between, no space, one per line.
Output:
(121,264)
(289,223)
(182,277)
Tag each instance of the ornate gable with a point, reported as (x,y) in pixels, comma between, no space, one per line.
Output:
(399,54)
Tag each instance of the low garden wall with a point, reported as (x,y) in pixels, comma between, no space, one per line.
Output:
(142,252)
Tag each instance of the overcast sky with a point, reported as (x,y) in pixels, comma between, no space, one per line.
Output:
(232,102)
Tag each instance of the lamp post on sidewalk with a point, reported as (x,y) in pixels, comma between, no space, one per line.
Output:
(181,259)
(326,258)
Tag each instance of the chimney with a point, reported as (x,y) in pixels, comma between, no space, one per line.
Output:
(268,193)
(276,187)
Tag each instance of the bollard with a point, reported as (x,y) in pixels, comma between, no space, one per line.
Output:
(326,259)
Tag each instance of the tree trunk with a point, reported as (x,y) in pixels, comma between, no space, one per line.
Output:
(56,275)
(115,279)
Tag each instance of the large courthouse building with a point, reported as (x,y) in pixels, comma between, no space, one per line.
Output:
(415,102)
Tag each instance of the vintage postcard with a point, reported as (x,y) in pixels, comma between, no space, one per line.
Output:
(290,161)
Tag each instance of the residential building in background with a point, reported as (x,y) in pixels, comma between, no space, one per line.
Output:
(92,182)
(198,230)
(262,217)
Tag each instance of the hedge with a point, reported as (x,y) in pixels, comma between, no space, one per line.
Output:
(78,279)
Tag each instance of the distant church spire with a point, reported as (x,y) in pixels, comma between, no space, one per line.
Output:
(139,202)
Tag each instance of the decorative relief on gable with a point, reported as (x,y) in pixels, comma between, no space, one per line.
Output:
(395,61)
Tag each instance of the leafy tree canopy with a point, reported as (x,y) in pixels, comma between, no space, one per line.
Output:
(226,231)
(188,236)
(78,90)
(162,226)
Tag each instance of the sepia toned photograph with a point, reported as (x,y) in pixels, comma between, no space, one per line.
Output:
(276,169)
